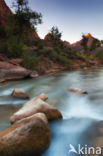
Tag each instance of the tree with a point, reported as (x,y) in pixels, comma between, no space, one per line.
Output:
(55,34)
(84,42)
(95,43)
(24,20)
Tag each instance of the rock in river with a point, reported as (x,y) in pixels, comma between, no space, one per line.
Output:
(27,137)
(34,106)
(78,91)
(20,94)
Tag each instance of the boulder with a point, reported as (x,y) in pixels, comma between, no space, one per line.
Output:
(42,96)
(29,136)
(34,74)
(11,71)
(34,106)
(13,74)
(78,91)
(20,94)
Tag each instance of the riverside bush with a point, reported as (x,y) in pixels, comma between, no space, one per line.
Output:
(29,61)
(15,49)
(99,55)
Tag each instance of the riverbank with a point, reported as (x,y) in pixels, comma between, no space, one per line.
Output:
(11,69)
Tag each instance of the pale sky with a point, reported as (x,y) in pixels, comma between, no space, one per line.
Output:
(73,17)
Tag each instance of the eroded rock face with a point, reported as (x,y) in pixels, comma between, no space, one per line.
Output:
(30,136)
(4,13)
(20,94)
(14,74)
(34,106)
(9,71)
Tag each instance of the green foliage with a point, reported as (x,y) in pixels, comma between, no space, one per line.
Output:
(29,61)
(11,48)
(24,21)
(15,49)
(47,52)
(99,55)
(95,44)
(55,34)
(84,42)
(54,55)
(3,47)
(3,34)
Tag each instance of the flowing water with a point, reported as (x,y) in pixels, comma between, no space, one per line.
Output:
(82,114)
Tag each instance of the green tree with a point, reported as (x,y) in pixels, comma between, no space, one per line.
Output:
(84,42)
(24,20)
(96,43)
(55,33)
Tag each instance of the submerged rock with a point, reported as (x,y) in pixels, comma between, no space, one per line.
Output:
(34,106)
(78,91)
(20,94)
(29,136)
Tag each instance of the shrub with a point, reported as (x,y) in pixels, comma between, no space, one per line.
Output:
(47,52)
(54,55)
(3,47)
(99,55)
(30,62)
(2,33)
(15,49)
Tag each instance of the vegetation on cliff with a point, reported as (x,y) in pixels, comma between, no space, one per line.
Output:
(19,39)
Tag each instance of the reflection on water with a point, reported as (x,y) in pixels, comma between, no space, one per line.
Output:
(81,113)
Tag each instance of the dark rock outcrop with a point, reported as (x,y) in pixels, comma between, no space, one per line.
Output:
(30,136)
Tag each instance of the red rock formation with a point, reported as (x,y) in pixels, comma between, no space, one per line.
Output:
(67,44)
(90,40)
(48,37)
(77,45)
(36,36)
(4,12)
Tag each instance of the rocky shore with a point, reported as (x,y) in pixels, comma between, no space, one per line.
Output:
(29,133)
(11,69)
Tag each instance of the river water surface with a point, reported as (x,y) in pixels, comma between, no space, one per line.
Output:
(82,114)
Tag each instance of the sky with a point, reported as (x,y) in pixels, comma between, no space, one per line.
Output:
(72,17)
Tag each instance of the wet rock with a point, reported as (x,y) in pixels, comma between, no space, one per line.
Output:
(20,94)
(78,91)
(34,74)
(29,136)
(35,106)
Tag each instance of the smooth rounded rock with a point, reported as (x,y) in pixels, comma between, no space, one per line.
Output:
(20,94)
(27,137)
(36,106)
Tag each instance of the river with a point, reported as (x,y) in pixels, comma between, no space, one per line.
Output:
(82,114)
